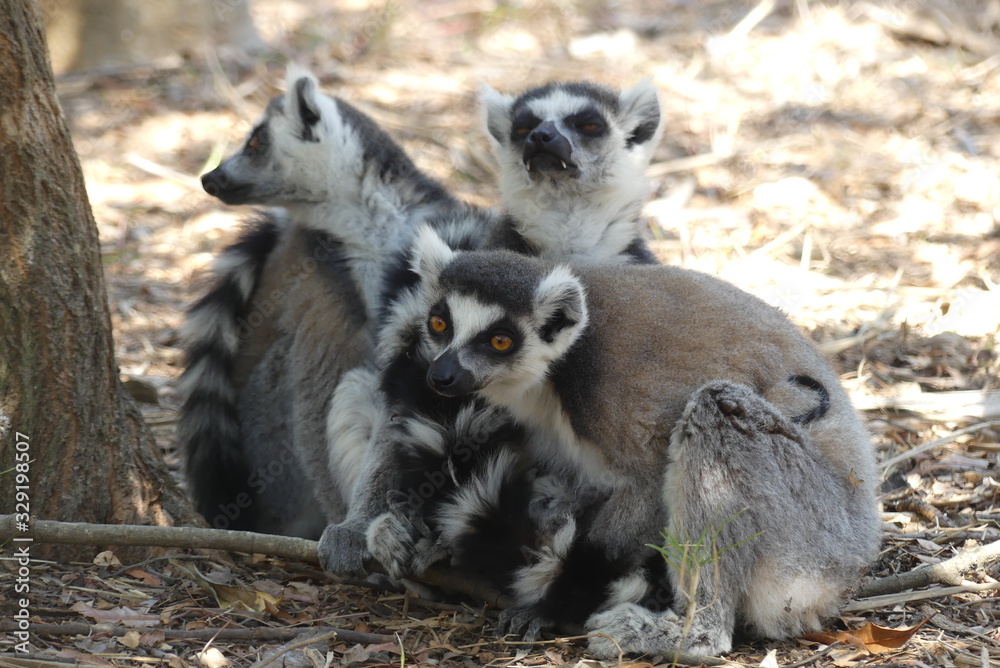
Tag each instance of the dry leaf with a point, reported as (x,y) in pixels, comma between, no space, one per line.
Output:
(107,559)
(870,637)
(847,657)
(228,596)
(142,575)
(212,658)
(130,640)
(119,615)
(83,658)
(771,660)
(879,640)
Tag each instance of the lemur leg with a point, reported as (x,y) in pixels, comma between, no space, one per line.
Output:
(768,520)
(362,456)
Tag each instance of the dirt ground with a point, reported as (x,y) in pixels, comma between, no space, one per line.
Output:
(839,160)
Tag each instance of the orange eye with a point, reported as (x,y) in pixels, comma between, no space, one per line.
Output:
(254,143)
(589,127)
(520,132)
(438,324)
(501,343)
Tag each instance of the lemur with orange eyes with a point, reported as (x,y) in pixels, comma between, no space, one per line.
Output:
(294,301)
(572,161)
(688,405)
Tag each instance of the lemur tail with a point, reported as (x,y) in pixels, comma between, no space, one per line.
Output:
(824,399)
(208,430)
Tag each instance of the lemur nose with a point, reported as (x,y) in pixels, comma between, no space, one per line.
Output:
(544,133)
(446,376)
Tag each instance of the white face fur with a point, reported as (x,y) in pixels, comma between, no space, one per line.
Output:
(609,137)
(493,347)
(292,151)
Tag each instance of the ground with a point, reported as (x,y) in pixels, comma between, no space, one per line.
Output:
(839,160)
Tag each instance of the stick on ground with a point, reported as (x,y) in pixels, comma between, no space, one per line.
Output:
(285,547)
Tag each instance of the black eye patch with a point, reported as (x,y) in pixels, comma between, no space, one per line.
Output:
(523,124)
(501,338)
(258,142)
(589,123)
(441,310)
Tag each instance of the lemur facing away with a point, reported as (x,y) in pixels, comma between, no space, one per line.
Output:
(573,158)
(293,304)
(670,390)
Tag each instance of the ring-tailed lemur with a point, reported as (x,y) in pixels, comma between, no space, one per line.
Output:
(292,306)
(573,158)
(670,389)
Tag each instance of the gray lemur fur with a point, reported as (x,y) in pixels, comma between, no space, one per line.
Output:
(675,392)
(289,314)
(569,192)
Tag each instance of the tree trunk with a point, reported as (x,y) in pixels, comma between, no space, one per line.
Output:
(107,35)
(92,456)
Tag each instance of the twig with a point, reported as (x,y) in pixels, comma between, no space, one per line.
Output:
(285,547)
(37,661)
(163,172)
(815,657)
(685,164)
(951,571)
(683,658)
(982,404)
(877,602)
(912,452)
(267,633)
(291,647)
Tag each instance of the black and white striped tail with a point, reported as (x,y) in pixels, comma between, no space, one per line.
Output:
(208,431)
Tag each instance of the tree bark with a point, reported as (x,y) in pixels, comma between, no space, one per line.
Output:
(92,456)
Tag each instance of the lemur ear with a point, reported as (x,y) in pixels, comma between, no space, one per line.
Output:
(429,254)
(302,98)
(496,113)
(560,309)
(640,110)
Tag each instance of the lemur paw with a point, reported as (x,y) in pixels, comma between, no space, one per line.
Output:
(428,553)
(520,621)
(342,550)
(631,628)
(390,539)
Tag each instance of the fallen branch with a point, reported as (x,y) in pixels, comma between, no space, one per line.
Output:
(951,571)
(979,404)
(267,633)
(292,646)
(879,602)
(944,440)
(285,547)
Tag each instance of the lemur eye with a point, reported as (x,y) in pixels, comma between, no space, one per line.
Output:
(438,324)
(501,343)
(254,143)
(520,132)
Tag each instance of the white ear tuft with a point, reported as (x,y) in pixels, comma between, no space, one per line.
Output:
(496,113)
(560,309)
(301,95)
(640,110)
(429,254)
